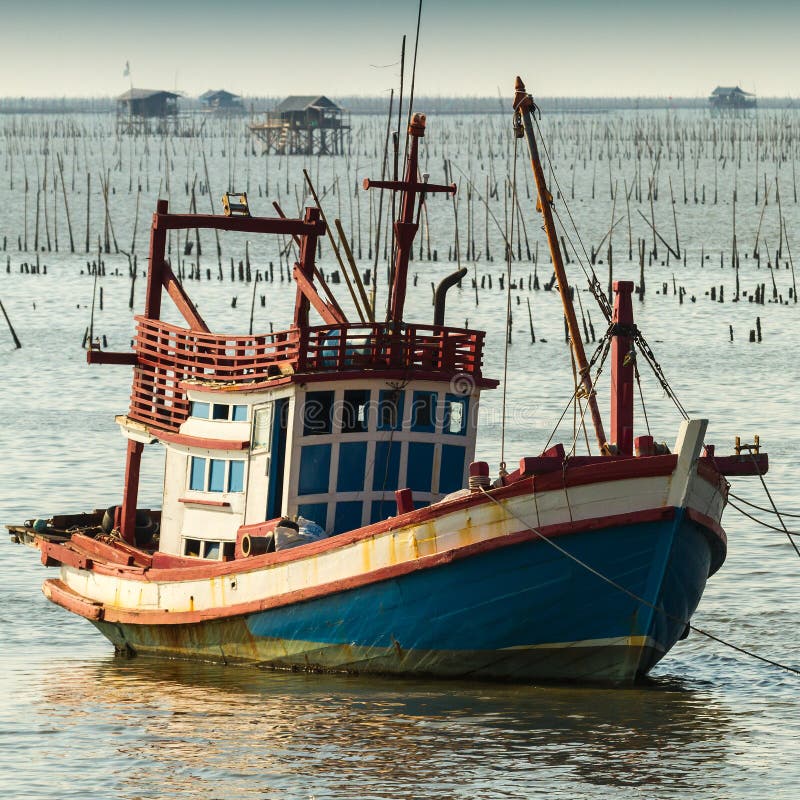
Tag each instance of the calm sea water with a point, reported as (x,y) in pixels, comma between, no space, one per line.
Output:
(77,722)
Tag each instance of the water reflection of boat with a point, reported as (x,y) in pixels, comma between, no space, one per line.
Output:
(278,731)
(322,508)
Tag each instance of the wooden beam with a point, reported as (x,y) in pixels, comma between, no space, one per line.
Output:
(182,300)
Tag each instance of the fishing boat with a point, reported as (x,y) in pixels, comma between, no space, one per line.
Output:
(323,508)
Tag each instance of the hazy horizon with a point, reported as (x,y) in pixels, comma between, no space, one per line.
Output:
(469,49)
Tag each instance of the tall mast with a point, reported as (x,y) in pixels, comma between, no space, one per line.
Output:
(405,228)
(523,105)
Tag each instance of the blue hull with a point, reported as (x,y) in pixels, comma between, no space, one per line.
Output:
(519,612)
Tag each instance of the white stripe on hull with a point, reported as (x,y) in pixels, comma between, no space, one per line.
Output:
(480,523)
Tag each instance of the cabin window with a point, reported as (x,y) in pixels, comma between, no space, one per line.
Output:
(387,467)
(197,475)
(214,551)
(262,428)
(199,410)
(455,415)
(315,467)
(221,411)
(451,468)
(423,412)
(390,409)
(236,477)
(191,547)
(317,413)
(382,509)
(347,516)
(352,467)
(216,475)
(419,469)
(355,410)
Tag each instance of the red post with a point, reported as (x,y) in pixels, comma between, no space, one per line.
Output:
(155,275)
(133,461)
(405,500)
(405,228)
(622,372)
(308,250)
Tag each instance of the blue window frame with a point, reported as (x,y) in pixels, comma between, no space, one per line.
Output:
(239,414)
(221,411)
(197,475)
(423,412)
(355,411)
(382,509)
(387,466)
(315,468)
(352,466)
(390,409)
(216,475)
(455,415)
(236,477)
(315,512)
(348,516)
(317,413)
(419,471)
(198,409)
(451,472)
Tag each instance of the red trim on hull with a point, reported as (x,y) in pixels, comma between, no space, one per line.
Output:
(150,617)
(59,593)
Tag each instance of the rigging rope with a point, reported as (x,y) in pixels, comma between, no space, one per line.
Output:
(596,288)
(509,255)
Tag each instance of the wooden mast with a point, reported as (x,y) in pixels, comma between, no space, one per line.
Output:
(523,105)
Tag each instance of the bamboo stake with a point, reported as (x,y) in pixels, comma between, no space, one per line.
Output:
(354,267)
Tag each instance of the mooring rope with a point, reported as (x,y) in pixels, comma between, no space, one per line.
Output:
(637,598)
(761,508)
(772,503)
(760,521)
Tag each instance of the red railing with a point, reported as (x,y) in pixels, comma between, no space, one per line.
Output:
(168,355)
(428,348)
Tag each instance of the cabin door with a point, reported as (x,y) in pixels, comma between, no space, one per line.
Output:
(267,461)
(280,425)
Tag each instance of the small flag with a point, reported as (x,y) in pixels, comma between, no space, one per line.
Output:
(127,70)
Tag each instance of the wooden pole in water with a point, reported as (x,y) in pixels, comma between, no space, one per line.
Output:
(66,204)
(791,262)
(523,105)
(10,327)
(88,206)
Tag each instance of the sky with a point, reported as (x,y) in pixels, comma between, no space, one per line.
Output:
(677,48)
